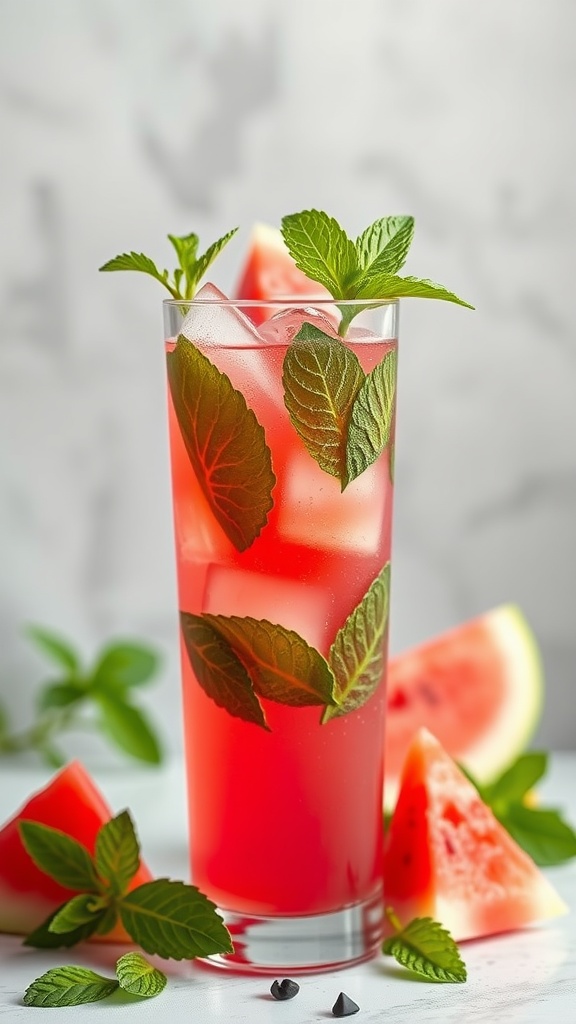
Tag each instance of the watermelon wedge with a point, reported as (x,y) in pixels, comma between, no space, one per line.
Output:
(449,858)
(478,688)
(269,272)
(72,803)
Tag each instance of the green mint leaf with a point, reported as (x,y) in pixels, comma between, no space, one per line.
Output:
(201,266)
(218,670)
(281,665)
(371,417)
(174,920)
(186,247)
(322,250)
(55,647)
(321,379)
(137,976)
(383,247)
(391,461)
(542,833)
(79,910)
(138,261)
(426,948)
(515,782)
(357,656)
(128,727)
(123,665)
(44,938)
(225,444)
(59,856)
(117,853)
(106,920)
(59,695)
(68,986)
(388,286)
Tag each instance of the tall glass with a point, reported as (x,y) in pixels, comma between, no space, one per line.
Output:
(283,575)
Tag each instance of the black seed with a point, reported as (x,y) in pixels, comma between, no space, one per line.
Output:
(285,989)
(344,1006)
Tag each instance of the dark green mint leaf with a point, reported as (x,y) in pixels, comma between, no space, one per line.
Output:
(218,670)
(55,647)
(122,665)
(357,656)
(281,665)
(117,853)
(388,286)
(59,856)
(322,378)
(371,417)
(79,910)
(515,782)
(542,833)
(426,948)
(107,920)
(225,444)
(197,272)
(128,727)
(174,920)
(138,261)
(137,976)
(44,938)
(322,250)
(59,695)
(383,247)
(68,986)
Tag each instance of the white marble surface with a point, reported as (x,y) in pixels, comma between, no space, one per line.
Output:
(527,977)
(122,121)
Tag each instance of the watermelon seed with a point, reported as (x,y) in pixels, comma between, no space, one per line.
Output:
(285,989)
(344,1006)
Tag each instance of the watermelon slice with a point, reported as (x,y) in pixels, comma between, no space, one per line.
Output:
(478,688)
(270,272)
(72,803)
(449,858)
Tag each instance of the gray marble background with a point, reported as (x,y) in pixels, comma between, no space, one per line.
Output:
(120,121)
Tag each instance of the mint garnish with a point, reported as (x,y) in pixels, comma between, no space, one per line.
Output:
(137,976)
(59,856)
(190,271)
(117,853)
(68,986)
(357,654)
(78,911)
(44,938)
(225,443)
(371,416)
(364,269)
(426,948)
(173,920)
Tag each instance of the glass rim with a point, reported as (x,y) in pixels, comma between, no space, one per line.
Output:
(284,301)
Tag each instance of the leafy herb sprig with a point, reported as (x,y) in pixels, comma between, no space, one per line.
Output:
(105,690)
(184,280)
(425,947)
(71,985)
(168,918)
(540,831)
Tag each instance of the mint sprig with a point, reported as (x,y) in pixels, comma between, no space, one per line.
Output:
(364,269)
(72,986)
(426,948)
(184,280)
(165,917)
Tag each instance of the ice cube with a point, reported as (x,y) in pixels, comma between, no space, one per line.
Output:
(281,328)
(299,606)
(315,512)
(215,324)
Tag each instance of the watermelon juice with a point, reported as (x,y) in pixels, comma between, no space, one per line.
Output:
(286,817)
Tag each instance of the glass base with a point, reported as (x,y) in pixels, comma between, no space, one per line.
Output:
(321,942)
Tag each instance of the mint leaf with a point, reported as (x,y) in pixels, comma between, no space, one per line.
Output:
(106,920)
(44,938)
(383,247)
(174,920)
(128,727)
(371,417)
(357,656)
(137,976)
(321,249)
(4,720)
(515,782)
(186,247)
(426,948)
(138,261)
(117,853)
(60,695)
(321,379)
(59,856)
(225,444)
(218,670)
(191,269)
(55,647)
(123,665)
(76,912)
(542,833)
(197,272)
(68,986)
(388,286)
(281,665)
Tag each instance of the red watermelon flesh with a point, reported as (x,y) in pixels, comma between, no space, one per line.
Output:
(72,803)
(449,858)
(269,272)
